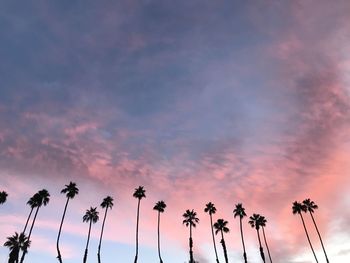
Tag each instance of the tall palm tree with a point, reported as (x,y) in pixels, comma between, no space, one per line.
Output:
(16,243)
(211,209)
(220,226)
(70,190)
(139,194)
(262,222)
(297,208)
(91,216)
(160,207)
(32,202)
(240,211)
(255,223)
(106,203)
(3,197)
(311,207)
(40,198)
(190,220)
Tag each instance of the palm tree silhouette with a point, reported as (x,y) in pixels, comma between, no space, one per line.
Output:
(70,190)
(3,197)
(262,223)
(297,208)
(91,216)
(190,220)
(40,198)
(240,211)
(220,226)
(311,207)
(139,194)
(32,202)
(160,207)
(106,203)
(16,243)
(254,222)
(211,209)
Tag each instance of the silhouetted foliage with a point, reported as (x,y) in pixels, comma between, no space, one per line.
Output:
(262,223)
(91,216)
(255,223)
(298,208)
(311,207)
(40,198)
(139,193)
(221,226)
(160,207)
(107,203)
(211,209)
(240,212)
(3,197)
(190,220)
(70,190)
(16,243)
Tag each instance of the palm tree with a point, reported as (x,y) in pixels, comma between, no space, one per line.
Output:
(70,190)
(311,207)
(190,220)
(240,211)
(254,222)
(139,194)
(297,208)
(16,243)
(32,202)
(220,226)
(40,198)
(211,209)
(106,203)
(3,197)
(91,216)
(262,223)
(160,207)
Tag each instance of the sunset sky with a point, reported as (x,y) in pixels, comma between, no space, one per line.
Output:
(197,101)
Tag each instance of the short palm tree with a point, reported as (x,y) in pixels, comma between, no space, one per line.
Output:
(221,226)
(211,209)
(106,204)
(190,220)
(311,207)
(40,198)
(91,216)
(297,208)
(262,223)
(240,212)
(70,190)
(160,207)
(139,194)
(3,197)
(16,243)
(255,223)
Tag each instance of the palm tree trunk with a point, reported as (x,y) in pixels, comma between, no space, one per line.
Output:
(224,246)
(137,231)
(160,258)
(191,246)
(99,244)
(30,214)
(319,235)
(59,232)
(267,247)
(87,243)
(212,233)
(307,235)
(261,248)
(30,233)
(244,253)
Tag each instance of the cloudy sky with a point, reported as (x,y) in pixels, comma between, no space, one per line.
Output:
(198,101)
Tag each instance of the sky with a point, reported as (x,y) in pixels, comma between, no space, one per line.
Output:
(197,101)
